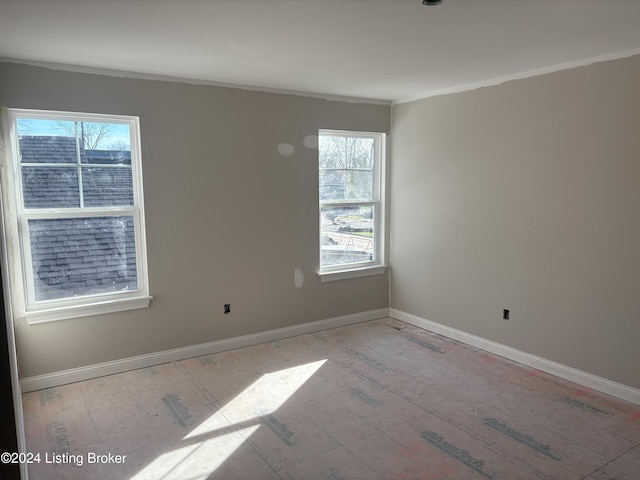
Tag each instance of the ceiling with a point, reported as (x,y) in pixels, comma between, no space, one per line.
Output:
(387,50)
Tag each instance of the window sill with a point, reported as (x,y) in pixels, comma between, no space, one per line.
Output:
(352,273)
(87,309)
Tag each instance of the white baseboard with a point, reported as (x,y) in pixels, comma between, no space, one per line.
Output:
(585,379)
(29,384)
(609,387)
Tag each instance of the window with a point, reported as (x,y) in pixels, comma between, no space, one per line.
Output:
(74,228)
(351,171)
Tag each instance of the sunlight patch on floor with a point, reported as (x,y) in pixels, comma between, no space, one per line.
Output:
(268,393)
(212,442)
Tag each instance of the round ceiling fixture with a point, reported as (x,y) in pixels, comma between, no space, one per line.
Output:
(431,2)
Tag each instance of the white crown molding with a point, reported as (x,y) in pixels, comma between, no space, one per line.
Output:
(191,81)
(585,379)
(491,82)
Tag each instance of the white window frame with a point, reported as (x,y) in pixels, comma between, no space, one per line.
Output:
(16,219)
(376,266)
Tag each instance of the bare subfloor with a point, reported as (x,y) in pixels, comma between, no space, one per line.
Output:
(377,400)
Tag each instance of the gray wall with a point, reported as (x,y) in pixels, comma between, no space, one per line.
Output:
(228,219)
(526,196)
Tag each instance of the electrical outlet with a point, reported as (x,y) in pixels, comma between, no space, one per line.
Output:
(227,308)
(505,314)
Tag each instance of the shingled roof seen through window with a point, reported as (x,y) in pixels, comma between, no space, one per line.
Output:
(83,255)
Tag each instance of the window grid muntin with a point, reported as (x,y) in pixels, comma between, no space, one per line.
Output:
(76,118)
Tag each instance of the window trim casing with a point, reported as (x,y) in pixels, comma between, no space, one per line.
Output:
(378,265)
(17,244)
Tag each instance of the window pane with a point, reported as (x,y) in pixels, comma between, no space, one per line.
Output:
(360,185)
(50,187)
(346,152)
(47,141)
(107,186)
(346,185)
(346,235)
(74,257)
(333,184)
(105,143)
(332,151)
(360,152)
